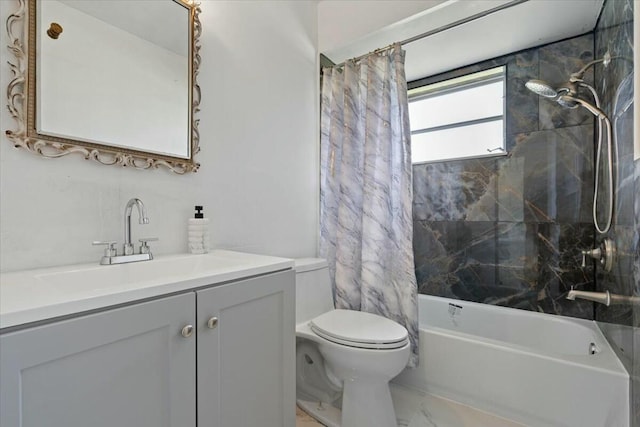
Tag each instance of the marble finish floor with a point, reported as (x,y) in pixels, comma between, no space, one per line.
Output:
(305,420)
(418,409)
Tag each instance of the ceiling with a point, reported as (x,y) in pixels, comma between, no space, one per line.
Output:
(522,26)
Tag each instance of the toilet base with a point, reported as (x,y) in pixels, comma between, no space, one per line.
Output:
(367,404)
(357,410)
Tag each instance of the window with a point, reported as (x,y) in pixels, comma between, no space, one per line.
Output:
(458,118)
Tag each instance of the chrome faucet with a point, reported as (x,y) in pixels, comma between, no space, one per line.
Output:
(601,297)
(143,219)
(128,255)
(604,298)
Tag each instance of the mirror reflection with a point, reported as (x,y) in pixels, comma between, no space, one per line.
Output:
(109,75)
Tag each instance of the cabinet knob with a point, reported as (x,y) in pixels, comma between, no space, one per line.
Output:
(212,323)
(187,331)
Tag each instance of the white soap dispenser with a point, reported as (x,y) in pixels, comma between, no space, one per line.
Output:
(198,230)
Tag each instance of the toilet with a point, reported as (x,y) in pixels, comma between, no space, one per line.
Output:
(343,352)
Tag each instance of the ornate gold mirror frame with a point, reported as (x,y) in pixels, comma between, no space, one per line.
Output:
(21,102)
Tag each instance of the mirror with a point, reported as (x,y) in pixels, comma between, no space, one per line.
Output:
(114,81)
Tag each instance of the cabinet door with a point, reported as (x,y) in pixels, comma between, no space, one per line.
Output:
(246,363)
(126,367)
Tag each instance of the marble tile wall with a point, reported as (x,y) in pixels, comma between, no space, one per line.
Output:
(614,33)
(509,230)
(635,370)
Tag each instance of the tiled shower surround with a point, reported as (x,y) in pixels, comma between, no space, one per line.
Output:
(615,34)
(621,324)
(508,230)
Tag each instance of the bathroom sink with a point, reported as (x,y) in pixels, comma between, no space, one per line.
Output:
(159,269)
(35,295)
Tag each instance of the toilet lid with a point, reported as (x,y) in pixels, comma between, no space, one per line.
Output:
(359,329)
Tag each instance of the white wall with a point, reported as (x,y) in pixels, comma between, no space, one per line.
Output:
(259,135)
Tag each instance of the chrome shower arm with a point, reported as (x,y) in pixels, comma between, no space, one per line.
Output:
(605,60)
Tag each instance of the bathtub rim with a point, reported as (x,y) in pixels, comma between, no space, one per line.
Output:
(606,359)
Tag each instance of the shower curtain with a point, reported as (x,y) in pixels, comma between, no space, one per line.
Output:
(366,227)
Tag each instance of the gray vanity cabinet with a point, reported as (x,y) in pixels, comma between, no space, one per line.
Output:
(127,367)
(137,365)
(246,353)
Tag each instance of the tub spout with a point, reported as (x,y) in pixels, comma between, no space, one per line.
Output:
(604,298)
(601,297)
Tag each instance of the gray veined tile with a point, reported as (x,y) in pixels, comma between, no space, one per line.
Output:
(626,192)
(522,113)
(618,41)
(636,242)
(557,62)
(548,177)
(449,191)
(509,232)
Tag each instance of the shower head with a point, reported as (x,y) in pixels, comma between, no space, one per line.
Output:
(570,88)
(573,102)
(541,88)
(565,95)
(567,101)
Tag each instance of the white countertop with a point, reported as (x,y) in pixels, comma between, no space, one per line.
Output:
(35,295)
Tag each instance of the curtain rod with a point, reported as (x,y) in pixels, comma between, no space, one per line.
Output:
(439,29)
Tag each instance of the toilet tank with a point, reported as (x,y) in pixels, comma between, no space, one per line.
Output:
(313,288)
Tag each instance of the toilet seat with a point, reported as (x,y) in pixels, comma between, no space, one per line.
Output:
(359,329)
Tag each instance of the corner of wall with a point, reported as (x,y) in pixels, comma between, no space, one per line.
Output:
(636,82)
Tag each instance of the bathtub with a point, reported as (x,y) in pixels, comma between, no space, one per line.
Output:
(537,369)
